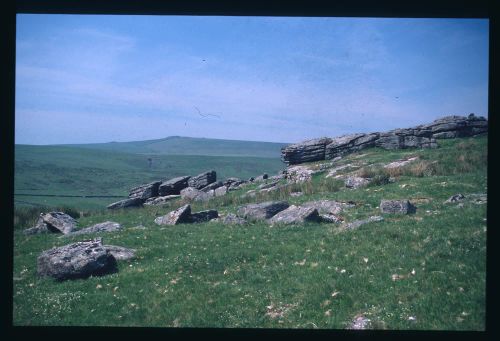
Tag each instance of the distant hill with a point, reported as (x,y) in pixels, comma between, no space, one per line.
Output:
(178,145)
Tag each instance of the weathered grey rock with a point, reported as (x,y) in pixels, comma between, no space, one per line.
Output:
(326,206)
(330,218)
(299,173)
(455,198)
(107,226)
(212,186)
(179,216)
(354,182)
(146,191)
(194,194)
(296,194)
(202,180)
(347,144)
(203,216)
(119,252)
(220,191)
(295,215)
(478,198)
(357,223)
(173,186)
(76,260)
(160,200)
(232,181)
(268,185)
(307,151)
(360,323)
(261,211)
(57,222)
(397,206)
(131,202)
(233,219)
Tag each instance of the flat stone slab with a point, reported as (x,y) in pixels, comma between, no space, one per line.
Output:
(56,222)
(120,253)
(357,223)
(178,216)
(261,211)
(173,186)
(296,215)
(131,202)
(107,226)
(397,206)
(161,200)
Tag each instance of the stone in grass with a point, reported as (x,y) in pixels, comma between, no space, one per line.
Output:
(330,218)
(233,219)
(261,211)
(220,191)
(160,200)
(107,226)
(191,193)
(120,252)
(57,222)
(295,215)
(179,216)
(360,322)
(131,202)
(203,216)
(397,206)
(76,260)
(455,198)
(355,182)
(357,223)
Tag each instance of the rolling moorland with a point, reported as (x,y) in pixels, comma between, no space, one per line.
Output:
(419,271)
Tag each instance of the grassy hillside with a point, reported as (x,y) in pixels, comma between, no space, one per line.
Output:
(303,276)
(78,171)
(178,145)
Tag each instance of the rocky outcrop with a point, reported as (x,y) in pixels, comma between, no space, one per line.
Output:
(422,136)
(76,260)
(131,202)
(145,192)
(107,226)
(261,211)
(202,180)
(212,186)
(220,191)
(193,194)
(57,222)
(296,215)
(397,206)
(173,186)
(179,216)
(160,200)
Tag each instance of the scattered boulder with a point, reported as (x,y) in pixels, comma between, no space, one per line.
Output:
(179,216)
(145,192)
(212,186)
(57,222)
(397,206)
(202,180)
(193,194)
(357,223)
(173,186)
(360,322)
(261,211)
(455,198)
(326,206)
(160,200)
(76,260)
(107,226)
(299,173)
(233,219)
(119,252)
(268,185)
(355,182)
(295,215)
(330,218)
(131,202)
(203,216)
(220,191)
(400,163)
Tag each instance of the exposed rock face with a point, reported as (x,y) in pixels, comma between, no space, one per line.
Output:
(307,151)
(107,226)
(261,211)
(397,206)
(77,260)
(295,214)
(173,186)
(422,136)
(202,179)
(191,193)
(145,192)
(131,202)
(203,216)
(119,252)
(160,200)
(357,223)
(356,182)
(299,173)
(57,222)
(233,219)
(179,216)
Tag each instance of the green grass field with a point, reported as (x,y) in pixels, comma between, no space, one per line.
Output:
(303,276)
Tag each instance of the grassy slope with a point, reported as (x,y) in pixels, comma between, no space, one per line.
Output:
(178,145)
(79,171)
(211,275)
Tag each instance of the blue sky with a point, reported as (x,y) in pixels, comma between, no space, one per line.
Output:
(100,78)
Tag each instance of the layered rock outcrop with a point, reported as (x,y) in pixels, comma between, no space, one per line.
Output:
(421,136)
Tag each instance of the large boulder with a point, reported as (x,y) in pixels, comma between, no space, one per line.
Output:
(220,191)
(306,151)
(160,200)
(107,226)
(347,144)
(57,222)
(193,194)
(202,180)
(179,216)
(355,182)
(173,186)
(145,192)
(120,252)
(131,202)
(203,216)
(296,215)
(326,206)
(261,211)
(397,206)
(76,260)
(212,186)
